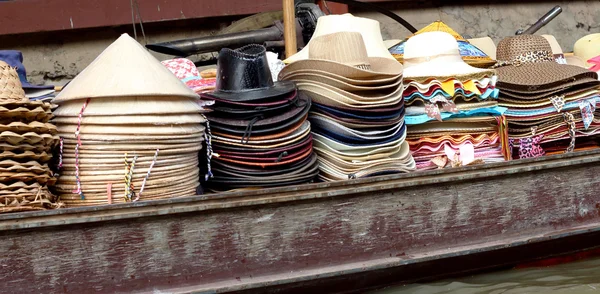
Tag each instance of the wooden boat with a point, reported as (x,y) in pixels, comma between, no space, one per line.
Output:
(327,237)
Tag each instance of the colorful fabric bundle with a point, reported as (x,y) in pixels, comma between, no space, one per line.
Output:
(127,107)
(26,141)
(260,134)
(549,104)
(452,107)
(357,113)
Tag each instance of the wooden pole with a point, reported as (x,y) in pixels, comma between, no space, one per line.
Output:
(289,28)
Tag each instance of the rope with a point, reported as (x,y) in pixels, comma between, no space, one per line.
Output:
(78,135)
(209,150)
(147,176)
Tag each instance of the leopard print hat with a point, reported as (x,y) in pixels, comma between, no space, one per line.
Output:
(526,63)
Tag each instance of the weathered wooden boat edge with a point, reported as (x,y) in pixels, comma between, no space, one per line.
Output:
(224,200)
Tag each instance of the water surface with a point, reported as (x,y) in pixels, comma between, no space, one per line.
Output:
(570,278)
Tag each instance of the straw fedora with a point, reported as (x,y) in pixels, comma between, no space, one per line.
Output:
(11,91)
(587,48)
(469,53)
(436,54)
(344,54)
(368,28)
(526,63)
(125,68)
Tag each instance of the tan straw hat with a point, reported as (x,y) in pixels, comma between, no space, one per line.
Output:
(125,68)
(436,54)
(368,28)
(526,63)
(11,90)
(587,47)
(345,54)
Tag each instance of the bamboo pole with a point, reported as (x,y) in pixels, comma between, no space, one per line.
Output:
(289,28)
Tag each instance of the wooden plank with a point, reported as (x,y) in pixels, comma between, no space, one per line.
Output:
(42,16)
(305,234)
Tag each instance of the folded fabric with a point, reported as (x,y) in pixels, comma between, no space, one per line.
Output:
(423,118)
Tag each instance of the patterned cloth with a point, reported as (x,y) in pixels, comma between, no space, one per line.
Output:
(185,70)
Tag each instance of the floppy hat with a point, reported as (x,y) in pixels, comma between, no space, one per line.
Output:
(559,55)
(587,48)
(436,54)
(469,53)
(526,63)
(368,28)
(244,75)
(123,69)
(344,54)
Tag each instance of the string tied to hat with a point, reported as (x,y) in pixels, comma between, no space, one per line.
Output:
(209,150)
(527,58)
(77,145)
(147,176)
(248,131)
(570,121)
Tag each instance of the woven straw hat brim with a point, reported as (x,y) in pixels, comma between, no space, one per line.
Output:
(472,61)
(585,83)
(37,113)
(380,68)
(546,102)
(359,96)
(118,187)
(125,68)
(119,175)
(332,98)
(138,171)
(458,70)
(133,129)
(540,76)
(137,105)
(36,127)
(343,85)
(197,139)
(113,138)
(358,82)
(175,119)
(29,138)
(85,148)
(117,153)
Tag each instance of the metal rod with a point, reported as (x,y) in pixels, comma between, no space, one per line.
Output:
(543,21)
(289,28)
(189,47)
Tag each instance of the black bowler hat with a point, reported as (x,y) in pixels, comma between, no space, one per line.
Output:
(244,75)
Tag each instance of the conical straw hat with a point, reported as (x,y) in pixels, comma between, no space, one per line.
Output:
(124,68)
(130,106)
(136,129)
(177,119)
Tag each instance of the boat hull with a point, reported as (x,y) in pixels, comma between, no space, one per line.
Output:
(328,237)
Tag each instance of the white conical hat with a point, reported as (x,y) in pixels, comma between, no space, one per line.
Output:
(125,68)
(368,28)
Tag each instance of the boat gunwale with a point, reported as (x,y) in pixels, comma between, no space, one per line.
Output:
(235,199)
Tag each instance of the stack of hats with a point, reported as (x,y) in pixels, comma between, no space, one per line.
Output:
(549,104)
(470,54)
(26,140)
(186,71)
(131,130)
(358,109)
(43,93)
(449,103)
(258,129)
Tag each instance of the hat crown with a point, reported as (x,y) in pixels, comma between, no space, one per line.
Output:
(514,48)
(344,47)
(431,44)
(243,69)
(11,89)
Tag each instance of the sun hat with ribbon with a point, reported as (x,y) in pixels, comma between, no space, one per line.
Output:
(368,28)
(526,63)
(345,54)
(436,54)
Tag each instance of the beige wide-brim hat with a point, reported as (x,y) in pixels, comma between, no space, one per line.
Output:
(344,54)
(125,68)
(133,129)
(486,44)
(368,28)
(176,119)
(587,47)
(436,55)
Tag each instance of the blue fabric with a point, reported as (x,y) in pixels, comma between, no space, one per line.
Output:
(358,114)
(466,49)
(489,93)
(14,58)
(423,118)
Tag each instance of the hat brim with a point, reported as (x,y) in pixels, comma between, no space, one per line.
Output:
(459,70)
(280,88)
(380,68)
(539,76)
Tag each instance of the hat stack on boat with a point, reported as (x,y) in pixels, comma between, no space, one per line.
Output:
(26,140)
(470,53)
(451,105)
(259,129)
(131,130)
(358,110)
(549,104)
